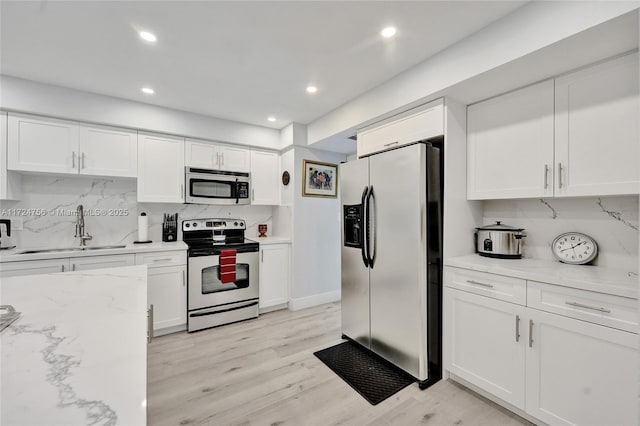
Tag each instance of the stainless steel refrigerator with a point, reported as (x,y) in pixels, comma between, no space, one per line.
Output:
(392,256)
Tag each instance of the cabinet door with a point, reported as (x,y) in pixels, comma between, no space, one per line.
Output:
(265,178)
(201,154)
(101,262)
(167,292)
(107,151)
(234,159)
(597,130)
(160,168)
(581,373)
(33,267)
(42,144)
(10,182)
(510,145)
(274,274)
(485,342)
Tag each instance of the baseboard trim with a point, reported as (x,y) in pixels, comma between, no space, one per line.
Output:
(272,308)
(314,300)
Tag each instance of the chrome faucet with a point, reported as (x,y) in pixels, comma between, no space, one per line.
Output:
(80,231)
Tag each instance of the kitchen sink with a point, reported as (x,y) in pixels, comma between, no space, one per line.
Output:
(55,250)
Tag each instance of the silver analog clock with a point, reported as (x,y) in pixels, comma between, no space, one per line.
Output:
(574,248)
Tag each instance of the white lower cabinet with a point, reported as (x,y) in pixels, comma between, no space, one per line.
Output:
(34,267)
(557,369)
(167,292)
(101,262)
(580,373)
(486,345)
(274,275)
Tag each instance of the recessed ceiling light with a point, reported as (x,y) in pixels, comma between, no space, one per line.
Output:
(312,89)
(271,119)
(147,36)
(147,91)
(388,32)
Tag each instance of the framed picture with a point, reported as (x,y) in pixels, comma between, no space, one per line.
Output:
(319,179)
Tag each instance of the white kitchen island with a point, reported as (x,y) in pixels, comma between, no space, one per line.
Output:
(78,353)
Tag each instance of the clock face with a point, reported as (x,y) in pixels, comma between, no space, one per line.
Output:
(575,248)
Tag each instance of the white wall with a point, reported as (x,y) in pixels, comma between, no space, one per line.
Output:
(316,239)
(44,99)
(611,221)
(530,28)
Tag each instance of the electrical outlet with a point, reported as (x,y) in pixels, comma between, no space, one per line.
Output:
(17,224)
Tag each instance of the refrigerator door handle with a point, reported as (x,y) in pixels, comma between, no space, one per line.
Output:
(364,246)
(371,203)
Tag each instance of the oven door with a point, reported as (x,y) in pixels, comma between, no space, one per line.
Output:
(213,188)
(206,289)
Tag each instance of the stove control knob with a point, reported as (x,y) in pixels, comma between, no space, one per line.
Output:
(235,223)
(186,225)
(195,224)
(241,223)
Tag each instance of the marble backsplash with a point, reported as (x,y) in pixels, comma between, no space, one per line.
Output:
(49,203)
(611,221)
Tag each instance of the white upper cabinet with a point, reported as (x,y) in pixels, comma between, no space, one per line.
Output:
(510,145)
(580,138)
(47,145)
(210,155)
(425,123)
(107,151)
(160,168)
(38,144)
(596,131)
(265,174)
(10,182)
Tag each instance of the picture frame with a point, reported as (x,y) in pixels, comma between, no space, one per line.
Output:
(319,179)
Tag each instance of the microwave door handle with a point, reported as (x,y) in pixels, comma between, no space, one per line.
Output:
(237,191)
(363,246)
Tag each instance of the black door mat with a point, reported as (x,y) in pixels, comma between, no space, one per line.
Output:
(371,376)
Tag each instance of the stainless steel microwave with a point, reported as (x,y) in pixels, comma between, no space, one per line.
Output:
(205,186)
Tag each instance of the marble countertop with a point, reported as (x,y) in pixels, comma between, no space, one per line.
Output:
(270,240)
(587,277)
(14,255)
(78,353)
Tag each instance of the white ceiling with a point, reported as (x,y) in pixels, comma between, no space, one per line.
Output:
(236,60)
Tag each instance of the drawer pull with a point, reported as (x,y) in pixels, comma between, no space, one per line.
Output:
(392,143)
(479,283)
(580,305)
(517,328)
(166,259)
(530,333)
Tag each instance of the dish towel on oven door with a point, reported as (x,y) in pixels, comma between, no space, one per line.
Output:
(227,266)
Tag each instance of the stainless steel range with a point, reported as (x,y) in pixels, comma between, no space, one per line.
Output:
(222,273)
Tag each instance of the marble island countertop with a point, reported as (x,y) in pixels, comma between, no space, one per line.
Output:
(78,353)
(612,281)
(15,255)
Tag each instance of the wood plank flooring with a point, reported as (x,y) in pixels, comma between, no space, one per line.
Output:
(263,372)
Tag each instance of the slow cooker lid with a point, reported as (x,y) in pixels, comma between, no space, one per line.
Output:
(498,226)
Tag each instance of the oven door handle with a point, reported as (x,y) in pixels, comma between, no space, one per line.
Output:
(204,314)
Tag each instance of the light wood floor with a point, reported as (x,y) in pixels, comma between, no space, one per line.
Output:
(263,372)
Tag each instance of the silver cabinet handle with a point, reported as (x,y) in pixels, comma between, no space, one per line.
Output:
(217,158)
(73,266)
(392,143)
(479,283)
(61,268)
(559,175)
(262,256)
(530,333)
(517,328)
(183,279)
(253,194)
(150,324)
(73,159)
(182,190)
(546,176)
(166,259)
(595,308)
(82,161)
(222,156)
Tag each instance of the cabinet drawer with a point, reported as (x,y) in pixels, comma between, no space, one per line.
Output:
(499,287)
(611,311)
(164,258)
(422,125)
